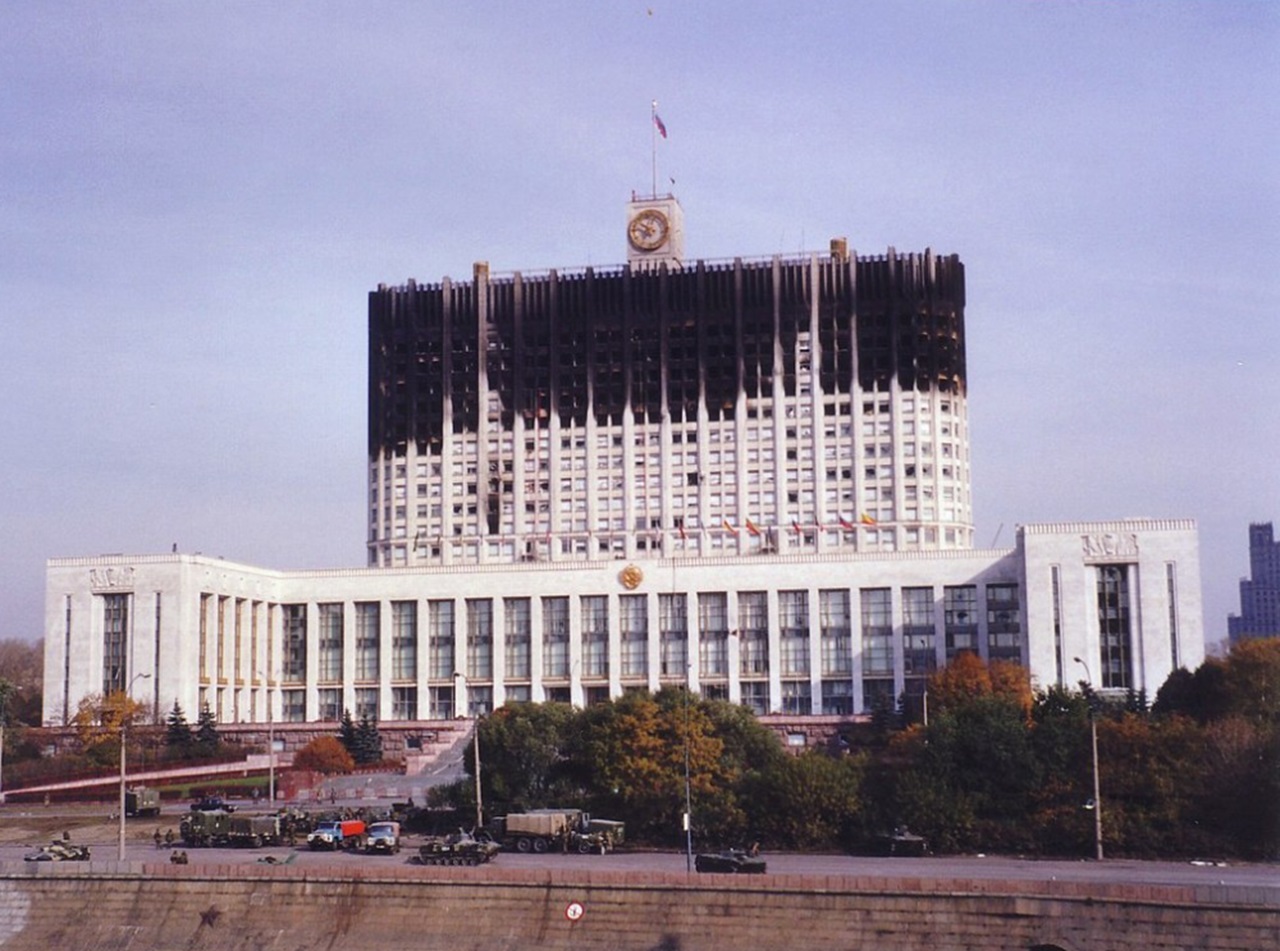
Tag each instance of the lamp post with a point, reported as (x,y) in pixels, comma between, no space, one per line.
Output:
(124,724)
(271,744)
(1097,788)
(688,801)
(460,676)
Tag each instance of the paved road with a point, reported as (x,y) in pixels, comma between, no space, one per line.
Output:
(952,867)
(95,827)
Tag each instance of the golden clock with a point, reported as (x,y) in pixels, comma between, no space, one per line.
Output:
(648,230)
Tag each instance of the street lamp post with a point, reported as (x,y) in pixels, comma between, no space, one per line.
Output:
(688,800)
(1097,787)
(271,744)
(459,676)
(271,752)
(124,724)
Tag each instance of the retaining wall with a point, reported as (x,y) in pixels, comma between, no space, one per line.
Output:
(110,907)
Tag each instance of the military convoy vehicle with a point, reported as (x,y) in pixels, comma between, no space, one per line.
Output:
(337,834)
(216,827)
(558,830)
(142,801)
(732,861)
(58,851)
(254,831)
(201,827)
(383,837)
(461,848)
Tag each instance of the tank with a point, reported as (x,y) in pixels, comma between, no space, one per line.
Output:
(59,851)
(461,848)
(731,861)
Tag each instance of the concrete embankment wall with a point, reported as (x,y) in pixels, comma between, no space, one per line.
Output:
(106,907)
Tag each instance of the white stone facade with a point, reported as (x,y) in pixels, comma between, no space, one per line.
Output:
(793,633)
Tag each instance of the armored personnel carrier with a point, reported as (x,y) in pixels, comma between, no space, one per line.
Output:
(732,861)
(461,848)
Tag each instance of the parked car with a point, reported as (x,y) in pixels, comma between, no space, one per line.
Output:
(210,803)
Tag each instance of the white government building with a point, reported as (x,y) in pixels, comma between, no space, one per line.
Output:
(748,476)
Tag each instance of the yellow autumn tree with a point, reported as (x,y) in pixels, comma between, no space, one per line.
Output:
(99,719)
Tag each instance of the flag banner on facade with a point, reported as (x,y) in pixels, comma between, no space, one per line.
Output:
(795,526)
(729,528)
(867,519)
(847,525)
(753,528)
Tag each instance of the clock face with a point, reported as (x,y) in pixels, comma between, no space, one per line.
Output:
(648,230)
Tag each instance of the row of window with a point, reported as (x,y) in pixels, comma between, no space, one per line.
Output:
(471,648)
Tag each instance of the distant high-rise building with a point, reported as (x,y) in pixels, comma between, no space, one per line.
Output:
(1259,593)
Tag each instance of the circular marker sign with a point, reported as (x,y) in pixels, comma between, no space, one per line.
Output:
(574,911)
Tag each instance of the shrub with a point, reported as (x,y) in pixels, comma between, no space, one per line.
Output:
(324,754)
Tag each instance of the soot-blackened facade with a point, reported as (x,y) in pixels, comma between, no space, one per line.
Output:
(474,386)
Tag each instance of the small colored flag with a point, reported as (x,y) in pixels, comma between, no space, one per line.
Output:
(729,528)
(795,526)
(683,536)
(846,524)
(753,528)
(657,121)
(867,519)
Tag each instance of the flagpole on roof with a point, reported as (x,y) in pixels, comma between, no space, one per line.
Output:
(653,138)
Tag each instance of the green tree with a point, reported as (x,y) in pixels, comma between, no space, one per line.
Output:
(1238,802)
(1151,770)
(347,732)
(22,665)
(207,740)
(977,757)
(368,742)
(177,734)
(636,749)
(807,801)
(528,756)
(1060,740)
(1203,695)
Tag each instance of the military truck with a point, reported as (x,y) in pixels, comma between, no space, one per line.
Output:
(142,801)
(254,831)
(383,836)
(205,827)
(560,830)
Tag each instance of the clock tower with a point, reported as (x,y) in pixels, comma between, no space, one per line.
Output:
(655,232)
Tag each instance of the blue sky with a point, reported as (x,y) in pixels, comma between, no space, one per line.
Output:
(198,197)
